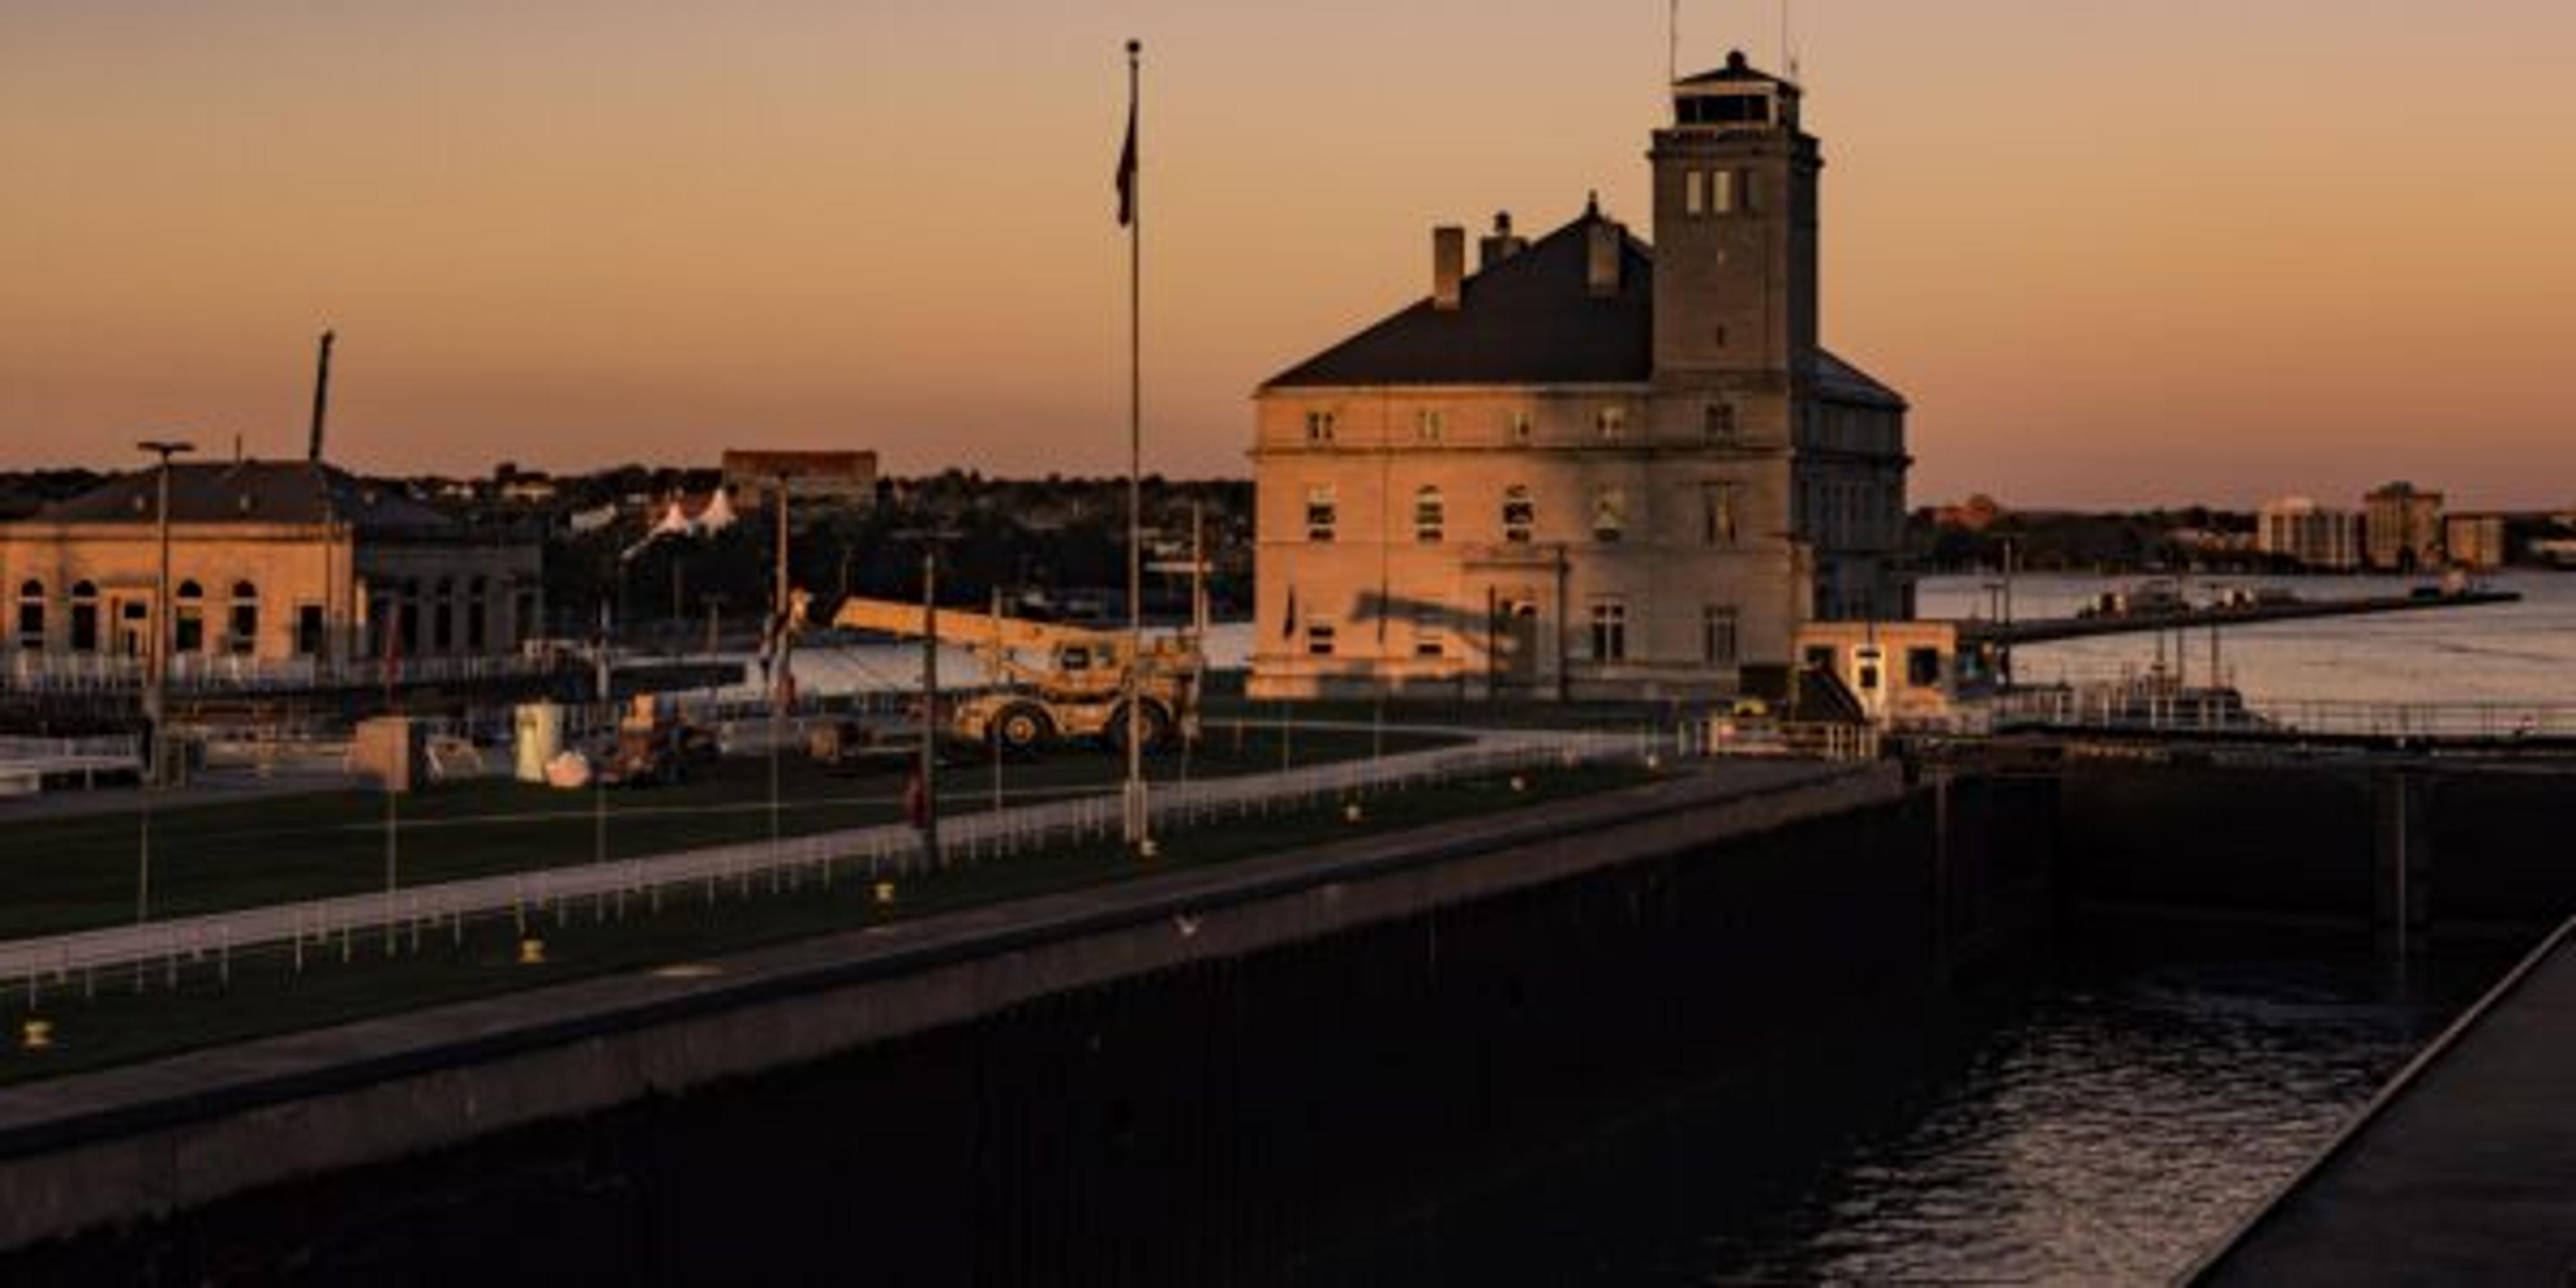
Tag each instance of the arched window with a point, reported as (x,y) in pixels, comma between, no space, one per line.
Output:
(241,629)
(442,622)
(478,621)
(31,616)
(189,626)
(84,617)
(1520,515)
(1430,516)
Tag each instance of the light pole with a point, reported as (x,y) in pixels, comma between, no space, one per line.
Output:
(156,696)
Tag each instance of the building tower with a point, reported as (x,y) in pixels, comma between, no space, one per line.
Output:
(1735,234)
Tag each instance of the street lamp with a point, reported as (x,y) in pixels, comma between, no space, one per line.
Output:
(157,661)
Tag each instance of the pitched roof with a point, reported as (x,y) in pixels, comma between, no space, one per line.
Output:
(1531,319)
(1737,68)
(250,492)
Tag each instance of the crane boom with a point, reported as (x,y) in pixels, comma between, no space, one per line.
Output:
(970,629)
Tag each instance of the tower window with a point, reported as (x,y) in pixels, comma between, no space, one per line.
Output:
(1694,192)
(1520,515)
(1323,512)
(1612,422)
(1320,639)
(1722,199)
(1430,516)
(1718,422)
(1427,425)
(1319,427)
(1520,427)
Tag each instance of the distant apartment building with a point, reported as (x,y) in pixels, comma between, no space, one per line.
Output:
(2402,528)
(1593,466)
(2476,542)
(2311,535)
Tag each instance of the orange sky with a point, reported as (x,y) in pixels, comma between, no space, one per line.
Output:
(2116,252)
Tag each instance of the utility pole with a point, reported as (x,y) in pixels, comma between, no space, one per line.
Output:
(930,703)
(1137,811)
(156,697)
(782,613)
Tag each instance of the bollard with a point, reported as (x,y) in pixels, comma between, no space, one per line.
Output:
(36,1034)
(1352,813)
(532,951)
(1520,783)
(885,893)
(1148,848)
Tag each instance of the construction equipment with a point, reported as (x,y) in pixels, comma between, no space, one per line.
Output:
(1055,682)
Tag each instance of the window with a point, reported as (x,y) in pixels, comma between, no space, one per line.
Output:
(1717,514)
(407,618)
(1319,639)
(1609,514)
(1428,638)
(1319,427)
(523,614)
(1520,427)
(1722,198)
(1694,193)
(84,618)
(1612,422)
(1520,515)
(1744,190)
(1717,423)
(241,628)
(1609,630)
(1430,516)
(1717,645)
(1323,512)
(132,636)
(1923,668)
(189,628)
(308,630)
(478,617)
(31,616)
(442,621)
(1427,426)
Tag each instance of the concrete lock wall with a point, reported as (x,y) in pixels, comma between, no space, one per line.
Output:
(1023,1089)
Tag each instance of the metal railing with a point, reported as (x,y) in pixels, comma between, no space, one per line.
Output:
(871,853)
(2191,711)
(86,673)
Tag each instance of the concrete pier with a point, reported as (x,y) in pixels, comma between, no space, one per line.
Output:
(2462,1171)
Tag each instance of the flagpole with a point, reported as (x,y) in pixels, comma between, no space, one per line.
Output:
(1137,834)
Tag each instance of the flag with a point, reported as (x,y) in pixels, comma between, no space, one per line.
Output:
(1127,171)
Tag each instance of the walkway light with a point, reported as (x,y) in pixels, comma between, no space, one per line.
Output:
(36,1035)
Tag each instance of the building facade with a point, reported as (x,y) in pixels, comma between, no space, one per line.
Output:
(2402,528)
(272,564)
(1594,466)
(2476,542)
(2312,535)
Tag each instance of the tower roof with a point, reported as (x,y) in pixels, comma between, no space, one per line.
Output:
(1738,69)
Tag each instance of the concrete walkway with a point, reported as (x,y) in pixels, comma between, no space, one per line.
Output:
(2463,1171)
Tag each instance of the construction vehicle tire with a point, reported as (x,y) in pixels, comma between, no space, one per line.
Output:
(1022,729)
(1157,722)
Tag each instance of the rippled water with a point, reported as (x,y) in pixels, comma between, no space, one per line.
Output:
(2104,1128)
(2103,1124)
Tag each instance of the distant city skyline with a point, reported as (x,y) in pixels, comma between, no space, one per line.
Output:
(2118,255)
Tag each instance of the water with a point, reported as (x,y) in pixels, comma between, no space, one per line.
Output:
(2102,1124)
(2509,653)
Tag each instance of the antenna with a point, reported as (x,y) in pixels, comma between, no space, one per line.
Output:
(1788,44)
(1673,44)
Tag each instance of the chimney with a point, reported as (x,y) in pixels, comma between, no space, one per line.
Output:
(1604,245)
(1448,266)
(1500,244)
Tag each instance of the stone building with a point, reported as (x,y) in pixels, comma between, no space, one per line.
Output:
(1591,467)
(272,565)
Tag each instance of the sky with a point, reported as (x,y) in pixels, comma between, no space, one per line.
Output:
(2116,253)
